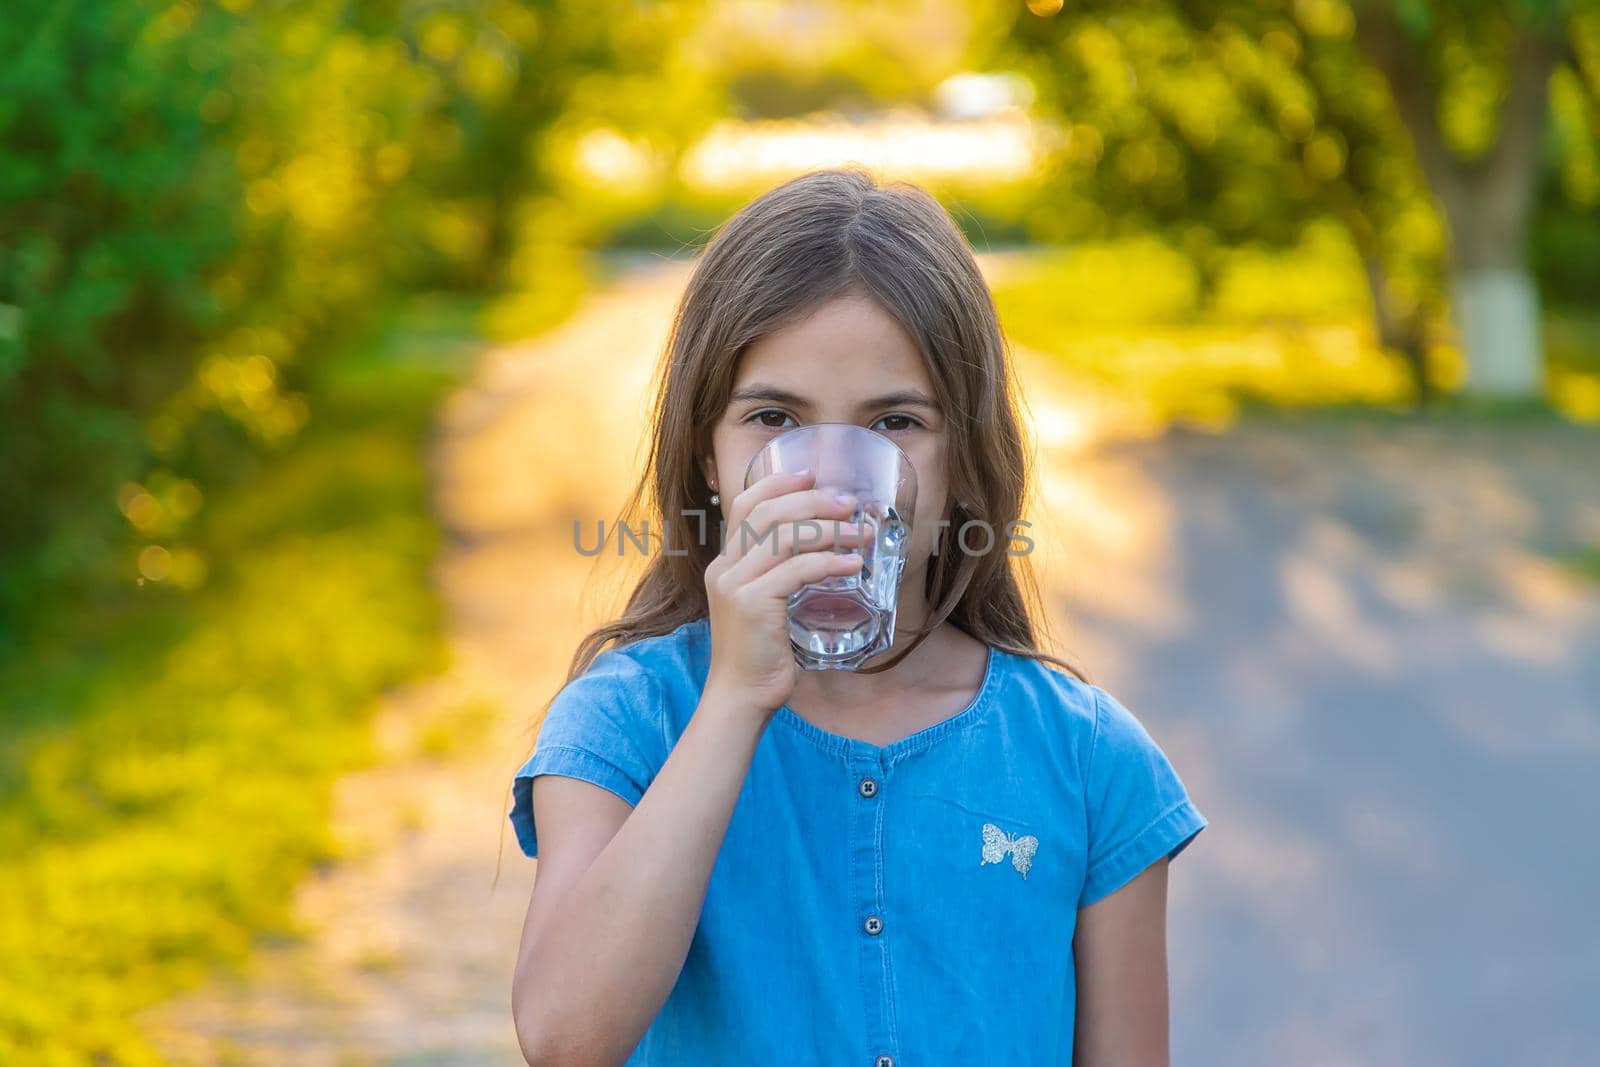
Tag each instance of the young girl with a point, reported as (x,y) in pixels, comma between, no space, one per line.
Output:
(956,856)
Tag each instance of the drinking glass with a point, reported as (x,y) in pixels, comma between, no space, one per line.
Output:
(844,620)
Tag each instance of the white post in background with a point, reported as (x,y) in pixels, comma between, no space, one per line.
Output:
(1497,314)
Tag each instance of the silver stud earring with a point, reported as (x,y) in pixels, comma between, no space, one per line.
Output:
(715,499)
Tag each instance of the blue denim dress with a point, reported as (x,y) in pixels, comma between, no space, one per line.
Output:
(907,905)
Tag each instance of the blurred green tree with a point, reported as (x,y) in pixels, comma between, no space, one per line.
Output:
(507,70)
(196,199)
(1246,120)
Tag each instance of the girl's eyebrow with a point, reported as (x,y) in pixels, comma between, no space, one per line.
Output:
(773,395)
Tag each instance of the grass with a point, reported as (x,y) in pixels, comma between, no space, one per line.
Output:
(165,765)
(1284,332)
(460,729)
(1586,564)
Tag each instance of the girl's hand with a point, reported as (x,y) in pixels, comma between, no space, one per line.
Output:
(749,584)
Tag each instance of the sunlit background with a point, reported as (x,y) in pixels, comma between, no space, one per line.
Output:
(320,323)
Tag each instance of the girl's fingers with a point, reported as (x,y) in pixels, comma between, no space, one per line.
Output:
(775,514)
(782,580)
(730,547)
(795,506)
(772,485)
(787,539)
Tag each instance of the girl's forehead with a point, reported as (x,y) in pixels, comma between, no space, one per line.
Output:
(848,345)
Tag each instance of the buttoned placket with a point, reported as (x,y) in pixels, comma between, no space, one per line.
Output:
(866,887)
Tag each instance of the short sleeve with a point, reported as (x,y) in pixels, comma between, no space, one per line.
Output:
(604,726)
(1138,808)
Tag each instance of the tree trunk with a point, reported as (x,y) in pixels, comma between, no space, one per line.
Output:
(1489,209)
(1398,331)
(1487,203)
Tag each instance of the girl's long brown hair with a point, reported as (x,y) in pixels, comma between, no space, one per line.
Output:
(812,239)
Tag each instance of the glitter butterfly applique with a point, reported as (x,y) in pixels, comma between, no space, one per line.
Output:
(996,843)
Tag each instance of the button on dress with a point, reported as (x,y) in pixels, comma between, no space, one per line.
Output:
(903,905)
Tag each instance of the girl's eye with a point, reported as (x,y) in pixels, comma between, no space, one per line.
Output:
(763,416)
(774,419)
(905,422)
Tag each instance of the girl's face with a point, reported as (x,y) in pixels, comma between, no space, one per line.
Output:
(849,361)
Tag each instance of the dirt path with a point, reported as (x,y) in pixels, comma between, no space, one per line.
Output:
(1388,704)
(408,953)
(1376,687)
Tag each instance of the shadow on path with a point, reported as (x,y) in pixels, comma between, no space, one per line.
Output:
(1388,705)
